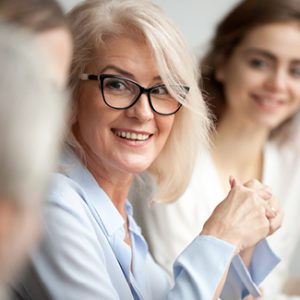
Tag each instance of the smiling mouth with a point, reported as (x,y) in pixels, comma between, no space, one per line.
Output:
(268,103)
(132,136)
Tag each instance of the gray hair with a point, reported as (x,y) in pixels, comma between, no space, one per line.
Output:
(32,112)
(92,23)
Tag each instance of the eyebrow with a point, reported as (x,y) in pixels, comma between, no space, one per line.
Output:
(268,54)
(123,72)
(261,52)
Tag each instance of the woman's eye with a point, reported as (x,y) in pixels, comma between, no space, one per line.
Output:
(295,72)
(160,90)
(258,63)
(117,85)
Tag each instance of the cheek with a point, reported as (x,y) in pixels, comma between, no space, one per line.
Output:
(165,125)
(90,115)
(297,94)
(239,76)
(295,108)
(95,123)
(241,84)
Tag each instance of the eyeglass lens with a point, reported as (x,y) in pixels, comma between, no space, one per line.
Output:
(121,93)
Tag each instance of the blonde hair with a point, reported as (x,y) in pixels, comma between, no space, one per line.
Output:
(92,22)
(32,112)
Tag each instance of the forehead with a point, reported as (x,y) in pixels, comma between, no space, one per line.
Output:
(282,39)
(126,52)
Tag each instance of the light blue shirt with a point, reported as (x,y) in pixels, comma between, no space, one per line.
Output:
(84,256)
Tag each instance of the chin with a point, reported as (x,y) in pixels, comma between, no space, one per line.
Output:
(135,165)
(268,123)
(136,168)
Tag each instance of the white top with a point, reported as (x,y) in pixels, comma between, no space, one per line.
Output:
(178,223)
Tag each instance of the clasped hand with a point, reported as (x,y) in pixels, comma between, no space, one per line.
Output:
(248,214)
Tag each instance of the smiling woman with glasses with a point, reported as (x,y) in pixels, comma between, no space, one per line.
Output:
(138,116)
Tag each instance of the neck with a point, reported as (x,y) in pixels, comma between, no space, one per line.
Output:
(236,133)
(115,183)
(238,149)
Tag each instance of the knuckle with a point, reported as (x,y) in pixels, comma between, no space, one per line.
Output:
(256,182)
(250,194)
(250,183)
(262,210)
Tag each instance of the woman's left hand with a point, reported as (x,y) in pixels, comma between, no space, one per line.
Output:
(275,212)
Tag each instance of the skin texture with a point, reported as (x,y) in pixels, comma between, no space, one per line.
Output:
(112,159)
(243,217)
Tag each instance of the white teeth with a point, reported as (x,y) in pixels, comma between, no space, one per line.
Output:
(270,101)
(132,135)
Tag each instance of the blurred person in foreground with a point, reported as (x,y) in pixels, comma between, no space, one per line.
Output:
(32,112)
(251,74)
(46,19)
(137,109)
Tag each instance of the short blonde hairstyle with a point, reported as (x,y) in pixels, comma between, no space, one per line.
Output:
(92,22)
(32,112)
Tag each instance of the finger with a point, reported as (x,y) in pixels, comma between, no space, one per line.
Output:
(233,182)
(265,194)
(275,223)
(253,183)
(271,212)
(256,185)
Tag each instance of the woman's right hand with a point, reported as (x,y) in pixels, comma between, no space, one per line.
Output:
(245,216)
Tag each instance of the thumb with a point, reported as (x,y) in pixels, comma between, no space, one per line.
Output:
(233,182)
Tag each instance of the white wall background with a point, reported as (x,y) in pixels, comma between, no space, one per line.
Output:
(197,20)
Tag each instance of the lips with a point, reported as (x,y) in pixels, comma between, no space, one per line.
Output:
(131,136)
(268,103)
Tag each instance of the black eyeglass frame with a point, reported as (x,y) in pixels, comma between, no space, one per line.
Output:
(102,77)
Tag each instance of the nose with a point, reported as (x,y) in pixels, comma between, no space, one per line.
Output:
(141,109)
(277,80)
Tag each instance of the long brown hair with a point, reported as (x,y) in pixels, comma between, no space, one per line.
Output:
(230,32)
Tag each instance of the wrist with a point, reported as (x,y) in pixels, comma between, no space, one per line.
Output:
(221,234)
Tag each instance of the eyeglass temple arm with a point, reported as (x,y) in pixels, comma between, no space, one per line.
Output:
(85,76)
